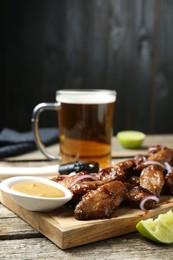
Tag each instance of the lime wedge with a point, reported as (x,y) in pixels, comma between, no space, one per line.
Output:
(131,139)
(159,230)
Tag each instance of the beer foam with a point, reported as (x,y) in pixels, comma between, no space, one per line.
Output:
(86,97)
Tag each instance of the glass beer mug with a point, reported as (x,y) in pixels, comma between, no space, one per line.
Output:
(85,122)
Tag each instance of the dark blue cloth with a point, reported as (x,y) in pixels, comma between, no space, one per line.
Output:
(13,143)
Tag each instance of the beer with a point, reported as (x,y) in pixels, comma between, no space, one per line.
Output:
(85,120)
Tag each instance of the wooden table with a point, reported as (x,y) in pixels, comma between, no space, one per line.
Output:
(20,241)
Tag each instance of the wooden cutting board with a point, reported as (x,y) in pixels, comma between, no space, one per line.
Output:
(65,231)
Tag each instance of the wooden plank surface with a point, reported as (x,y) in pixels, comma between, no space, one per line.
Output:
(65,231)
(18,242)
(118,151)
(123,45)
(128,247)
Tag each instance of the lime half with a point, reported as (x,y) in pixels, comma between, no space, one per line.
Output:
(159,230)
(131,139)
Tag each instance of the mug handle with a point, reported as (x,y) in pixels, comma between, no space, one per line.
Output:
(35,127)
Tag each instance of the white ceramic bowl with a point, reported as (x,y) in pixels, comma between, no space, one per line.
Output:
(34,203)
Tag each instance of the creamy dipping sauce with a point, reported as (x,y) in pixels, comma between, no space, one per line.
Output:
(38,189)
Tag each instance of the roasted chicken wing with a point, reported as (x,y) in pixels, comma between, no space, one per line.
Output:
(102,202)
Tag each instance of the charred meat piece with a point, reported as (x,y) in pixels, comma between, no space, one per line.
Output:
(67,180)
(135,195)
(111,173)
(100,203)
(139,159)
(116,172)
(168,187)
(155,148)
(78,184)
(152,179)
(163,155)
(126,165)
(133,179)
(81,188)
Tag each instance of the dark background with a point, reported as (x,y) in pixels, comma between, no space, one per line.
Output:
(126,45)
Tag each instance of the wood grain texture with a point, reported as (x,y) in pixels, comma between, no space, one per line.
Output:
(17,245)
(128,247)
(65,231)
(122,45)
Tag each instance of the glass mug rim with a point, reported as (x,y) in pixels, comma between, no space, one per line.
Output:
(75,91)
(86,96)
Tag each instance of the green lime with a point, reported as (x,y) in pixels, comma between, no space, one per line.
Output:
(159,230)
(131,139)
